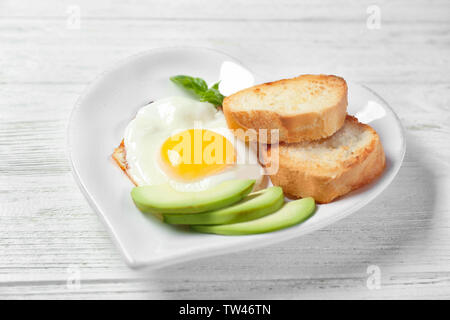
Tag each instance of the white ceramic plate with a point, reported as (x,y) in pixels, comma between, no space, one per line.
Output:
(97,126)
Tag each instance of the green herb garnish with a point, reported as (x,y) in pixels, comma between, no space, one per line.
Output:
(199,88)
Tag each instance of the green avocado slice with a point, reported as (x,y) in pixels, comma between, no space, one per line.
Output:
(165,199)
(253,206)
(290,214)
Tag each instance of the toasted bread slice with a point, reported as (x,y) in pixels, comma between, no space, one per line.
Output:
(329,168)
(119,156)
(309,107)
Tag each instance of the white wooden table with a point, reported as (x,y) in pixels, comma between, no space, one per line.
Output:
(48,233)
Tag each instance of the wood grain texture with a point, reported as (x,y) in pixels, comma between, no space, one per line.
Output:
(47,227)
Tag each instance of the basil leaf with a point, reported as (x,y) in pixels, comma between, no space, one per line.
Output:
(215,85)
(195,85)
(213,96)
(199,87)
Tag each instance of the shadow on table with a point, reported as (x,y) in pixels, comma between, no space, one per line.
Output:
(327,262)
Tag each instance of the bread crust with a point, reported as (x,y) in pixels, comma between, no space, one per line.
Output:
(292,128)
(119,157)
(299,181)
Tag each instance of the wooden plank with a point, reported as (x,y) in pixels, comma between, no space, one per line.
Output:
(213,10)
(348,49)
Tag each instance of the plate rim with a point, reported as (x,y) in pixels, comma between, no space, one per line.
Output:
(249,244)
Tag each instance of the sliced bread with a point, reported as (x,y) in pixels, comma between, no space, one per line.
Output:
(328,168)
(120,157)
(309,107)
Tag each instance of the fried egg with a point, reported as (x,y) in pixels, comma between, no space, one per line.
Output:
(186,143)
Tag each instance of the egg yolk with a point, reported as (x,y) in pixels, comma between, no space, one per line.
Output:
(196,153)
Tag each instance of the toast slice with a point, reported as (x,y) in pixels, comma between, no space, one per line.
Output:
(329,168)
(120,157)
(309,107)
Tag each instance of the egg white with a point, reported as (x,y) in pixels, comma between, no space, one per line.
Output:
(159,120)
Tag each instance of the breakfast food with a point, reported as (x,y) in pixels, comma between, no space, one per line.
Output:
(253,206)
(309,107)
(332,167)
(290,214)
(189,169)
(173,140)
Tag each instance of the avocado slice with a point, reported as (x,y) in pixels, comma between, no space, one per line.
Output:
(165,199)
(253,206)
(290,214)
